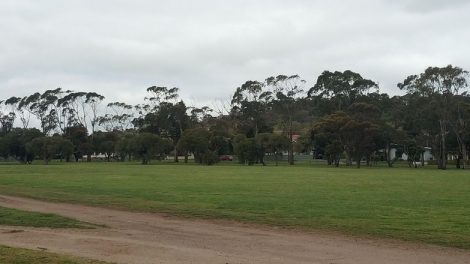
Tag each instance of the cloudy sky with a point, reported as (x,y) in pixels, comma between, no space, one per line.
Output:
(208,48)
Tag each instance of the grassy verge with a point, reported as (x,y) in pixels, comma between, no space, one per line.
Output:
(423,205)
(12,217)
(10,255)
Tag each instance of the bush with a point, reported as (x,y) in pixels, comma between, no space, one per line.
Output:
(210,158)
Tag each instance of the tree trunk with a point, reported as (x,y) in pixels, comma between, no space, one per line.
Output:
(463,152)
(330,160)
(291,144)
(291,150)
(348,159)
(464,155)
(443,152)
(387,151)
(337,159)
(46,158)
(176,155)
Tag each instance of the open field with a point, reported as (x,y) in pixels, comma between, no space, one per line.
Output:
(148,238)
(418,205)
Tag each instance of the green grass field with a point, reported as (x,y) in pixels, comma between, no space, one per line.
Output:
(12,217)
(10,255)
(424,205)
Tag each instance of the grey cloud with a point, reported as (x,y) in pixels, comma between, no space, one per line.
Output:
(208,48)
(431,5)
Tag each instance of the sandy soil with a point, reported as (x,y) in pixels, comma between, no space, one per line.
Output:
(151,238)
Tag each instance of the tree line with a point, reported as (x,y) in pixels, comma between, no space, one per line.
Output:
(343,119)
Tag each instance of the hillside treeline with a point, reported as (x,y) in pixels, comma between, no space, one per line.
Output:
(343,119)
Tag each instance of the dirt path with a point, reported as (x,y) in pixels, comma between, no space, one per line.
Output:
(148,238)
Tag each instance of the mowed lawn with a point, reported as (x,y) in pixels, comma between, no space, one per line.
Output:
(12,217)
(10,255)
(423,205)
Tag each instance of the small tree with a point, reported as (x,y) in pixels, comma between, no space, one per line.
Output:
(202,143)
(124,146)
(277,144)
(246,150)
(51,147)
(148,146)
(328,133)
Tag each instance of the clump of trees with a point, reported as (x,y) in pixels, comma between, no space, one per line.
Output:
(343,118)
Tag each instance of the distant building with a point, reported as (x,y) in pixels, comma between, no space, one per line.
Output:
(295,138)
(427,155)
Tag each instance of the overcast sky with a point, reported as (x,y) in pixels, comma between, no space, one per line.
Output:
(208,48)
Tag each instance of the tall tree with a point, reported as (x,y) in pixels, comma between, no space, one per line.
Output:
(250,104)
(341,88)
(119,116)
(441,88)
(287,90)
(15,107)
(93,100)
(165,115)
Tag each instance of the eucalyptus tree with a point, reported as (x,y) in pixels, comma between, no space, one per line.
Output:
(93,101)
(441,88)
(119,116)
(200,116)
(460,125)
(168,121)
(38,106)
(7,120)
(47,108)
(342,89)
(287,90)
(73,109)
(250,103)
(159,94)
(50,103)
(13,103)
(165,115)
(81,109)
